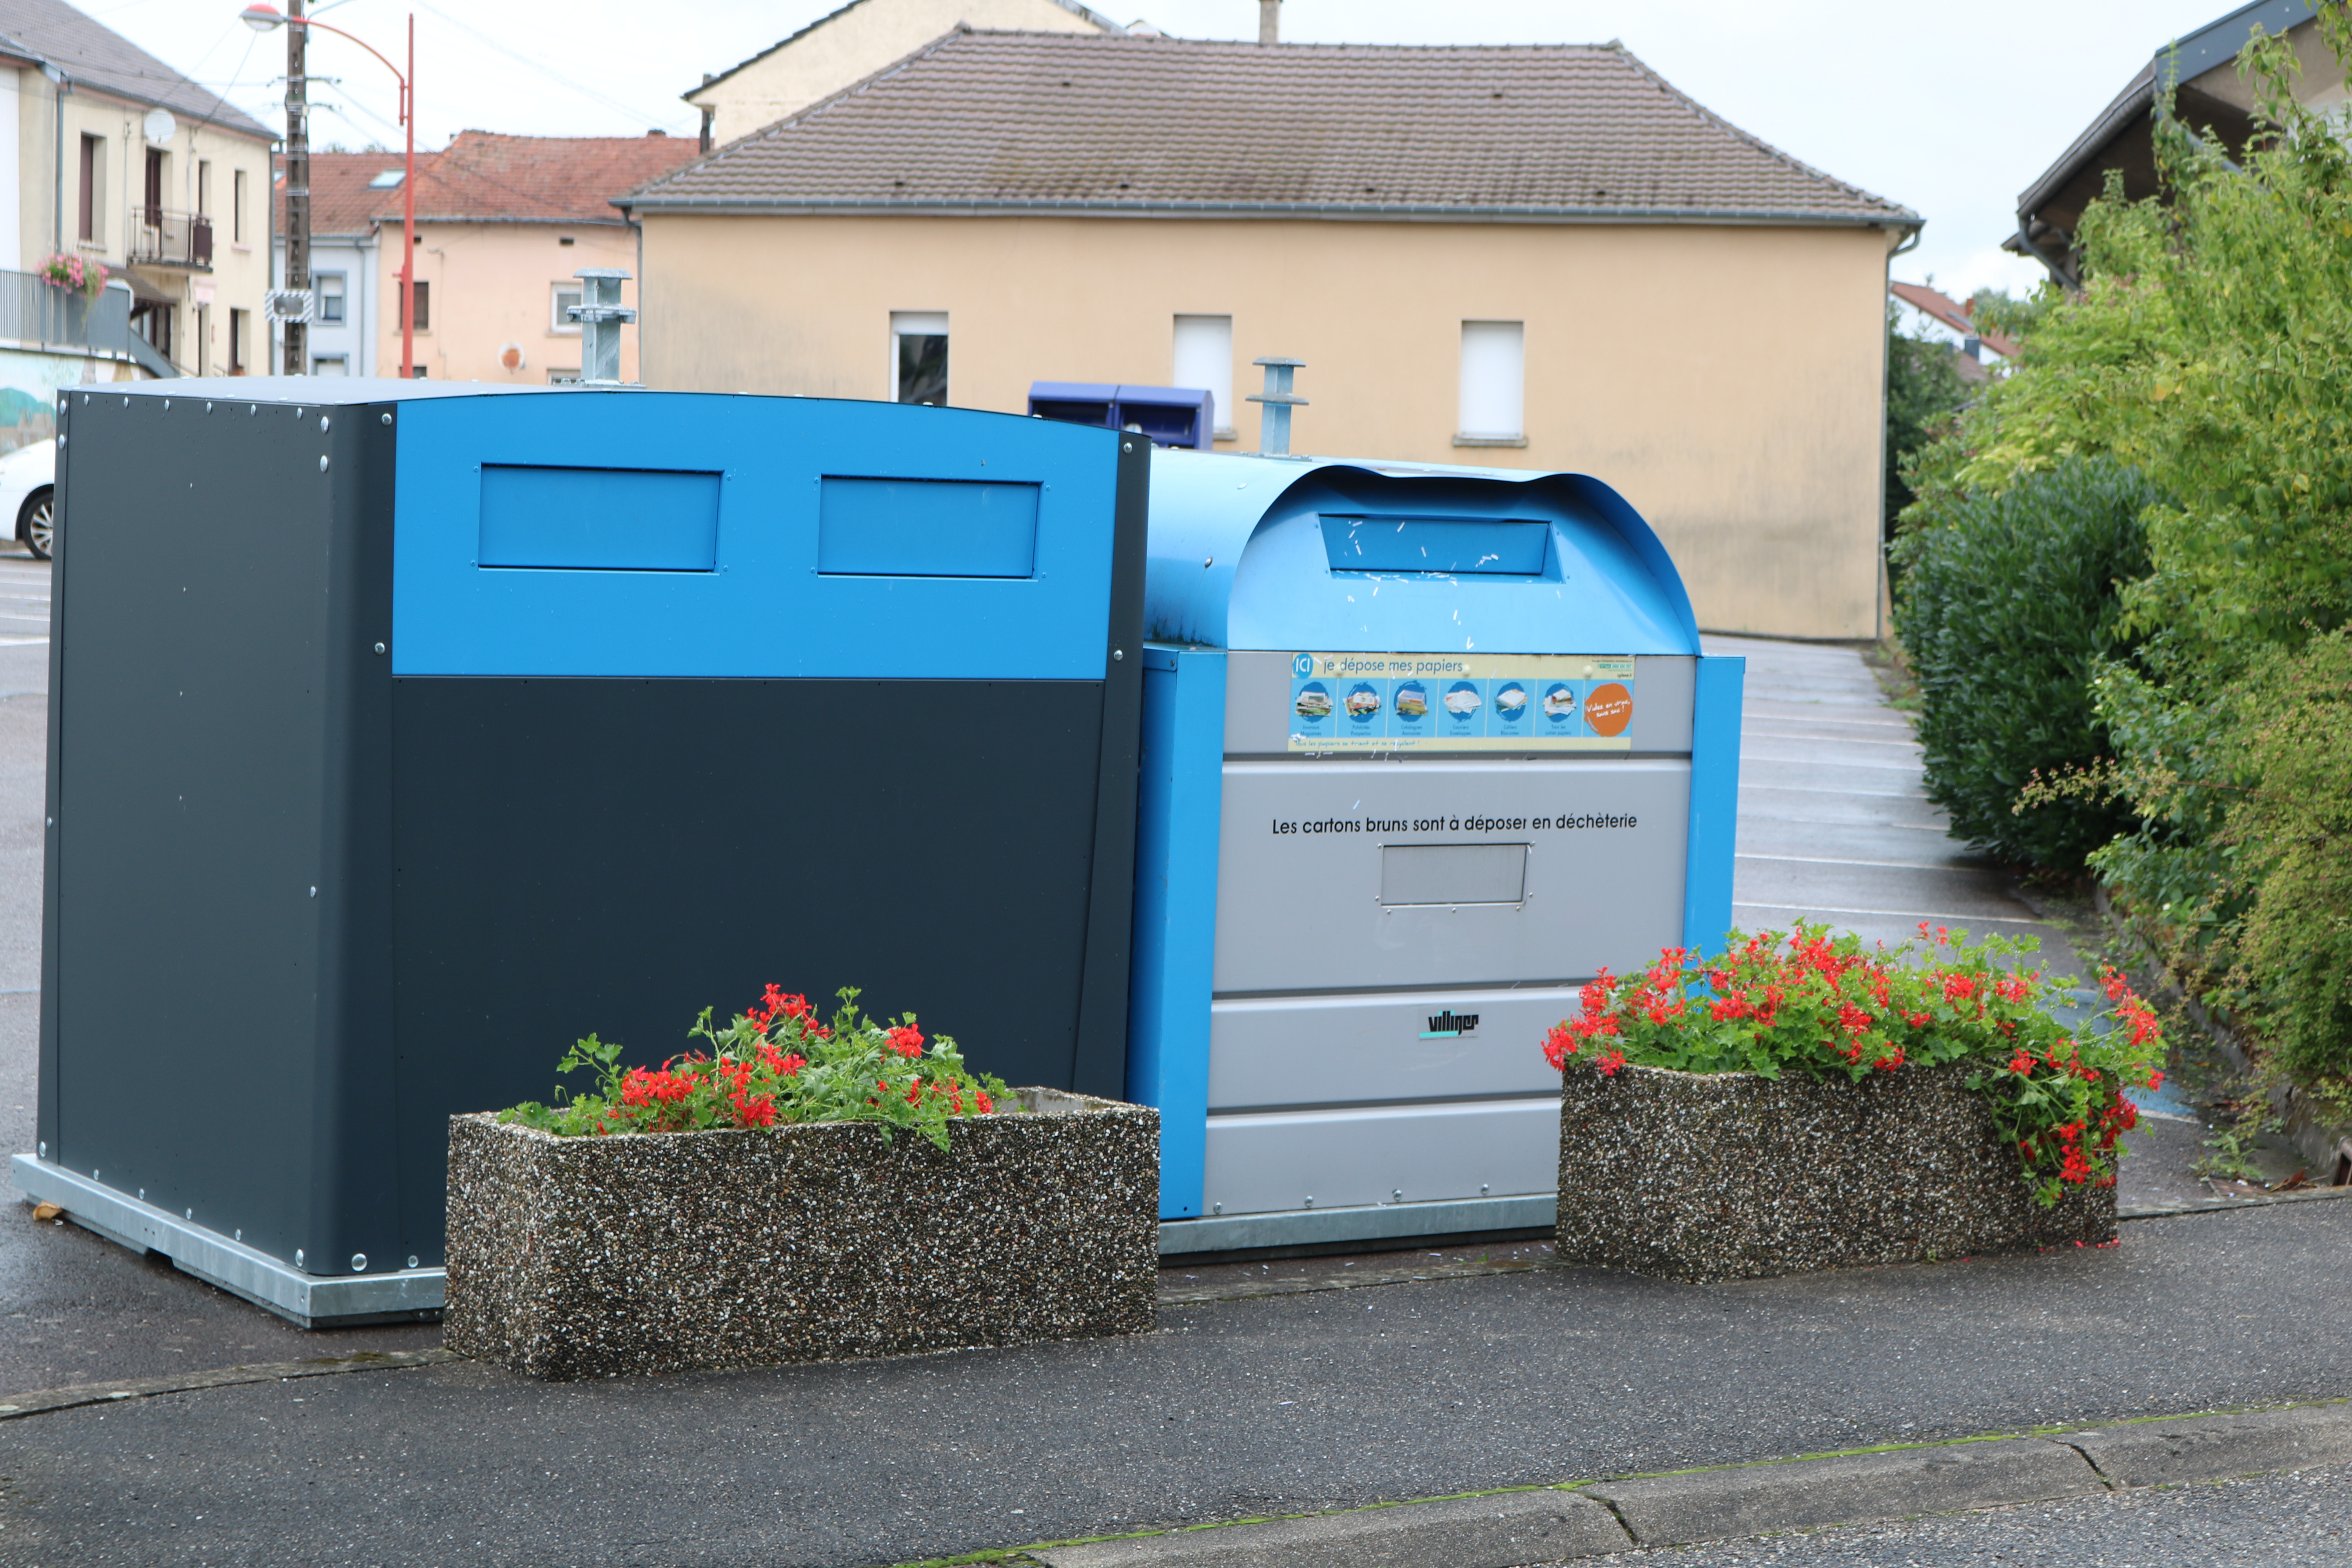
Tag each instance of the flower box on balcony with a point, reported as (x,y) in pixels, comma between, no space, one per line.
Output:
(1702,1176)
(583,1256)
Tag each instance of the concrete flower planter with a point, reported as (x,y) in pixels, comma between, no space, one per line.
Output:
(1730,1176)
(583,1256)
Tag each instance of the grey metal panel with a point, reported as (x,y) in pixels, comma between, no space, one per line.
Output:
(1297,1051)
(1257,702)
(1298,872)
(1274,1160)
(1454,873)
(1382,1221)
(390,1295)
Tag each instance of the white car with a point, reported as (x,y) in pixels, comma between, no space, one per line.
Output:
(29,478)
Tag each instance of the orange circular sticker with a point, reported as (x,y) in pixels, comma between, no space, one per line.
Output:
(1609,710)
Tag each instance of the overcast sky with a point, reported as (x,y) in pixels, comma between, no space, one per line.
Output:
(1949,110)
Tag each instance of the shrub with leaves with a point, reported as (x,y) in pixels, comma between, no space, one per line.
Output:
(2008,602)
(1829,1007)
(777,1062)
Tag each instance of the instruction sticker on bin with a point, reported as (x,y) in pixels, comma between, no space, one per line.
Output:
(1453,702)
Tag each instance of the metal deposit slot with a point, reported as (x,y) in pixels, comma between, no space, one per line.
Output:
(1454,873)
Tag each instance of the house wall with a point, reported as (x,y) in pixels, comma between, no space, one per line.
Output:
(853,44)
(1749,438)
(492,287)
(351,344)
(239,276)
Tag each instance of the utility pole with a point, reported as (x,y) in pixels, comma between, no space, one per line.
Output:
(297,185)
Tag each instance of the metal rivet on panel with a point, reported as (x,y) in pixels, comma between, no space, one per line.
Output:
(314,892)
(126,403)
(1311,1200)
(379,648)
(326,421)
(44,1149)
(1126,445)
(358,1262)
(1208,562)
(61,440)
(387,418)
(240,1236)
(85,400)
(208,408)
(298,1257)
(323,462)
(1214,1208)
(1397,1196)
(142,1194)
(412,1261)
(192,1213)
(297,413)
(167,402)
(93,1173)
(1116,654)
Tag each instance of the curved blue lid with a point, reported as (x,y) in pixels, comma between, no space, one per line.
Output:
(1285,553)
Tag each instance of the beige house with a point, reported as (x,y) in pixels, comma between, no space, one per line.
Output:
(1483,255)
(112,156)
(853,43)
(503,224)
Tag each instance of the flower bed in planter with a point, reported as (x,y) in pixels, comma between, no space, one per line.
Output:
(1800,1103)
(777,1239)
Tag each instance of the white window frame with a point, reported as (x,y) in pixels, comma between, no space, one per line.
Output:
(1492,393)
(1206,361)
(344,360)
(317,279)
(556,324)
(918,323)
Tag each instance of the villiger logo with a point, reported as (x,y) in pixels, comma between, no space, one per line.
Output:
(1450,1024)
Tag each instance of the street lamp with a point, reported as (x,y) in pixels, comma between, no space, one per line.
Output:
(263,18)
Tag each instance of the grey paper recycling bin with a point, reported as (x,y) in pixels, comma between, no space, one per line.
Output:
(1424,749)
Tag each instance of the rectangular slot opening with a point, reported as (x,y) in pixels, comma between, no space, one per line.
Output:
(1454,873)
(599,519)
(1485,547)
(927,528)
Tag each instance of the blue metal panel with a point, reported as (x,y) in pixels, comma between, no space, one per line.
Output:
(1238,560)
(1714,801)
(1171,415)
(927,528)
(1446,545)
(610,519)
(765,610)
(1177,802)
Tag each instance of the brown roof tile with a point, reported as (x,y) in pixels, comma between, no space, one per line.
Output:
(992,121)
(340,200)
(484,178)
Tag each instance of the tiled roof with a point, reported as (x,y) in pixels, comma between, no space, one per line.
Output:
(1076,122)
(1943,308)
(91,53)
(342,203)
(484,178)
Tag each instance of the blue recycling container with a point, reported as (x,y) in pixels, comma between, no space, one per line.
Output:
(1424,749)
(404,733)
(1171,415)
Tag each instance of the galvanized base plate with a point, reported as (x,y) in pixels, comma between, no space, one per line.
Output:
(1377,1222)
(395,1296)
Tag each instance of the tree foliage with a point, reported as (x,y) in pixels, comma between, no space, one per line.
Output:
(2211,350)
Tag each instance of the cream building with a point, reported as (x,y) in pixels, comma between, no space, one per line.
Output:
(118,158)
(1489,256)
(854,42)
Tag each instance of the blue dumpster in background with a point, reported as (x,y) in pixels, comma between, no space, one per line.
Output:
(1171,415)
(1424,750)
(404,732)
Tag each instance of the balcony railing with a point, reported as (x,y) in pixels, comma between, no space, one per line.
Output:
(164,238)
(32,310)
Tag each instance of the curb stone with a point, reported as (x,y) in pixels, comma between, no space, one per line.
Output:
(1503,1530)
(1552,1524)
(1805,1494)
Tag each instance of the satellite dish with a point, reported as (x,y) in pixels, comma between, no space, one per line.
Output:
(159,126)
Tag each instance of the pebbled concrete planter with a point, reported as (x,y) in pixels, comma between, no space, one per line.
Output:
(585,1257)
(1731,1176)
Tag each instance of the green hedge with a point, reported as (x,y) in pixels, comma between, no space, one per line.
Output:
(2006,602)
